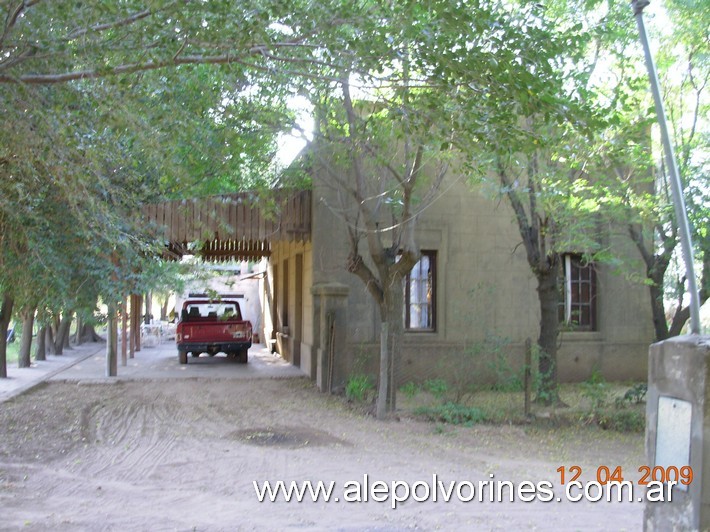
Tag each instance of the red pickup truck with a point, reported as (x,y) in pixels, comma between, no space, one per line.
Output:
(212,326)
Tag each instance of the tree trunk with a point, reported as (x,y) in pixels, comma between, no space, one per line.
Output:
(28,321)
(5,317)
(395,295)
(391,330)
(49,340)
(89,334)
(62,333)
(164,309)
(78,340)
(548,296)
(682,314)
(148,308)
(41,348)
(112,342)
(658,311)
(382,388)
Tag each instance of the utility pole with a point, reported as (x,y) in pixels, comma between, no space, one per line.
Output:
(681,213)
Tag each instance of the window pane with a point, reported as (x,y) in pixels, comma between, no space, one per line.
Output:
(419,294)
(578,300)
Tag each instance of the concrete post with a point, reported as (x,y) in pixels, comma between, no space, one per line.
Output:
(678,431)
(330,302)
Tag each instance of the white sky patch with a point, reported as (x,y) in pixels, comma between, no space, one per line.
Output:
(291,144)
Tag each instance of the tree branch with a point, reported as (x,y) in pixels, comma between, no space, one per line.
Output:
(12,17)
(96,28)
(526,232)
(638,239)
(46,79)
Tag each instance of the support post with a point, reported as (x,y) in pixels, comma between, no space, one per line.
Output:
(527,375)
(132,327)
(111,342)
(124,332)
(678,432)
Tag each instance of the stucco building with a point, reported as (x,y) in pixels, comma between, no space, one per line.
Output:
(471,291)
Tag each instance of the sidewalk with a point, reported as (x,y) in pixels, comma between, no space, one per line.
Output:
(87,363)
(21,380)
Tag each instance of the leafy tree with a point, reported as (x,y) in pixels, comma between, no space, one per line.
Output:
(629,148)
(79,157)
(439,84)
(684,67)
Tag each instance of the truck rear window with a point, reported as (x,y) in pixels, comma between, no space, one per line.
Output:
(212,311)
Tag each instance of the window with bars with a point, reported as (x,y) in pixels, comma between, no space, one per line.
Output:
(420,294)
(578,293)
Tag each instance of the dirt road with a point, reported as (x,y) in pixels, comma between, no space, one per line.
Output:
(183,455)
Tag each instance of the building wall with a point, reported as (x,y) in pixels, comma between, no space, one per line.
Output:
(485,290)
(287,312)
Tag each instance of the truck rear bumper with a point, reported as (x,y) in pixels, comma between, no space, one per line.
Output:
(202,347)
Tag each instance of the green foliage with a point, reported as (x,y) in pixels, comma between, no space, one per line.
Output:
(410,389)
(624,420)
(636,394)
(452,413)
(621,414)
(507,378)
(596,391)
(436,387)
(358,388)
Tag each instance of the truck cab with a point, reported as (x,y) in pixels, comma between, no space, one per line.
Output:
(213,326)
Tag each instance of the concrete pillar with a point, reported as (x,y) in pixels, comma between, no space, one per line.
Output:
(678,431)
(330,324)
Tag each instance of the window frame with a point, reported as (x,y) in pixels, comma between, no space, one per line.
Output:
(431,304)
(578,273)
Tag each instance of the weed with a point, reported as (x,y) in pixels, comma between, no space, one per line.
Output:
(507,378)
(625,420)
(358,387)
(452,413)
(437,387)
(410,389)
(596,391)
(636,394)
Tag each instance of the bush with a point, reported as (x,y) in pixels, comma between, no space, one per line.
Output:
(625,420)
(452,413)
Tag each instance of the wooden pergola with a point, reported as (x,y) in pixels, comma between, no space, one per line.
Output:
(230,227)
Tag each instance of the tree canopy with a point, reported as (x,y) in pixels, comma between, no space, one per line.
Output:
(108,105)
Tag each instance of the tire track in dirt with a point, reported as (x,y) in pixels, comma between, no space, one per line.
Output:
(129,439)
(138,437)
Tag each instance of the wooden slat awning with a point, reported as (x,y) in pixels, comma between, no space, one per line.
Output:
(230,227)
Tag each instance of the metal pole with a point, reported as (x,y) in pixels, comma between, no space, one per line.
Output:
(681,213)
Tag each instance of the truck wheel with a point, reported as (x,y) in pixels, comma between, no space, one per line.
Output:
(182,357)
(243,356)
